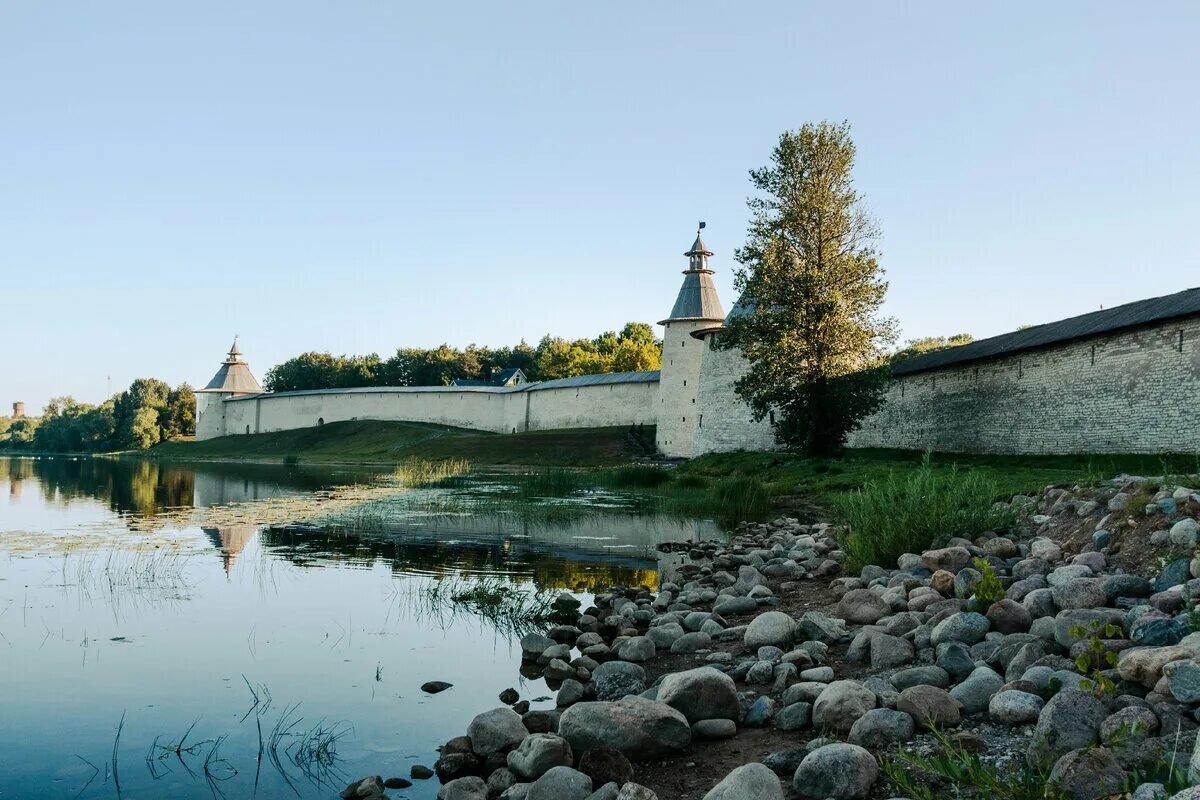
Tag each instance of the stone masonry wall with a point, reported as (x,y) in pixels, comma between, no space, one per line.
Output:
(723,421)
(1132,391)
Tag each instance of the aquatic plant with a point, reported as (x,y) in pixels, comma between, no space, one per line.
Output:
(419,473)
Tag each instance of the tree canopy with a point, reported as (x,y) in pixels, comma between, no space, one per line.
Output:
(812,334)
(631,349)
(927,344)
(143,415)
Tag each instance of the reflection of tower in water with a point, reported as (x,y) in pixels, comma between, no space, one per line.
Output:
(231,540)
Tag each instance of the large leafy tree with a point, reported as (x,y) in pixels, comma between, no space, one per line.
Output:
(813,335)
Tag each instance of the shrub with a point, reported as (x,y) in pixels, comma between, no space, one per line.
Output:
(907,511)
(989,588)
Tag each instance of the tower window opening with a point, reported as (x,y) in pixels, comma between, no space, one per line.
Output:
(320,420)
(772,415)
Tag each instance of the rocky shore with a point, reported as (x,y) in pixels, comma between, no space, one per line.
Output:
(1061,648)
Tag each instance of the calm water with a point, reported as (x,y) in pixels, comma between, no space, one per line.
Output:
(121,597)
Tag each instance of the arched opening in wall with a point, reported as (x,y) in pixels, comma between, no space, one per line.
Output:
(247,429)
(514,430)
(772,415)
(320,421)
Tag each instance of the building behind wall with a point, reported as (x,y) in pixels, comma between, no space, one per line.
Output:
(18,410)
(233,379)
(697,307)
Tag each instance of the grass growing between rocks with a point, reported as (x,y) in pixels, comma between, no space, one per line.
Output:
(953,771)
(509,609)
(908,512)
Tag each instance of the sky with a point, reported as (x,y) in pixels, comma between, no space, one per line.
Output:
(359,176)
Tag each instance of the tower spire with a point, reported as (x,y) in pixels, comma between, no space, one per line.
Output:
(699,254)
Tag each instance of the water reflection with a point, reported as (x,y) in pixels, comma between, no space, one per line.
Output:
(114,604)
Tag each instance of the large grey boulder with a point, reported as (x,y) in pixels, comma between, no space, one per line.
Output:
(538,753)
(1089,774)
(701,693)
(840,705)
(1080,593)
(613,680)
(636,648)
(967,627)
(930,706)
(748,781)
(469,788)
(977,690)
(637,727)
(561,783)
(496,731)
(1070,721)
(840,771)
(951,559)
(862,607)
(882,729)
(772,628)
(635,791)
(1012,707)
(665,635)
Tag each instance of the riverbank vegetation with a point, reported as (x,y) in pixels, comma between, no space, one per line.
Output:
(146,413)
(631,349)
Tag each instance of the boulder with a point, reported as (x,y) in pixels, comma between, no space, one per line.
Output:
(930,706)
(635,791)
(636,648)
(951,559)
(471,787)
(1089,774)
(839,771)
(1080,593)
(841,704)
(748,781)
(701,693)
(1015,708)
(882,729)
(560,783)
(976,692)
(795,717)
(637,727)
(967,627)
(496,731)
(1009,616)
(862,607)
(1070,721)
(606,765)
(1144,665)
(538,753)
(772,628)
(613,680)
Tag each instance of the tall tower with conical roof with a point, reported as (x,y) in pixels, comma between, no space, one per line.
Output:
(696,307)
(232,379)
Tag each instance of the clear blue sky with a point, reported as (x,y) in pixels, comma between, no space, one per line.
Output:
(357,176)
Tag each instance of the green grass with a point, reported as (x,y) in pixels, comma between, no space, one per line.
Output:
(376,442)
(909,511)
(417,473)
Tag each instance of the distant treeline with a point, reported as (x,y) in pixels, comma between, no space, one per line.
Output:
(143,415)
(634,348)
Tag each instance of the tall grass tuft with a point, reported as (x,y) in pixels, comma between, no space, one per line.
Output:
(417,473)
(636,476)
(738,500)
(550,483)
(906,512)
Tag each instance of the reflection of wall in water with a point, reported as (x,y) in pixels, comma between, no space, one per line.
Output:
(217,490)
(230,540)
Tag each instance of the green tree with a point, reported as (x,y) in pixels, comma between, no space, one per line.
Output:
(144,430)
(179,417)
(813,336)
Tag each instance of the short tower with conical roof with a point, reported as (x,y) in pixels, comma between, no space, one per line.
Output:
(696,307)
(232,379)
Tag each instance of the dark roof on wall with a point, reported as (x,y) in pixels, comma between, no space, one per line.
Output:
(233,377)
(697,298)
(1141,312)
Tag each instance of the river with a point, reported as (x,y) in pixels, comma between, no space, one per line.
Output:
(159,639)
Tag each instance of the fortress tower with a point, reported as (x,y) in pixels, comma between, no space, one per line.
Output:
(232,379)
(696,307)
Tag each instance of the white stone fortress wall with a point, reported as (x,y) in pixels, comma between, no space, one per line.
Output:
(591,402)
(1135,390)
(681,381)
(724,423)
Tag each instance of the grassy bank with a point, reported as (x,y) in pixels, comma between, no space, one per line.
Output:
(375,442)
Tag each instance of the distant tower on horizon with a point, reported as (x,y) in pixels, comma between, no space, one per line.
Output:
(18,410)
(232,379)
(696,307)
